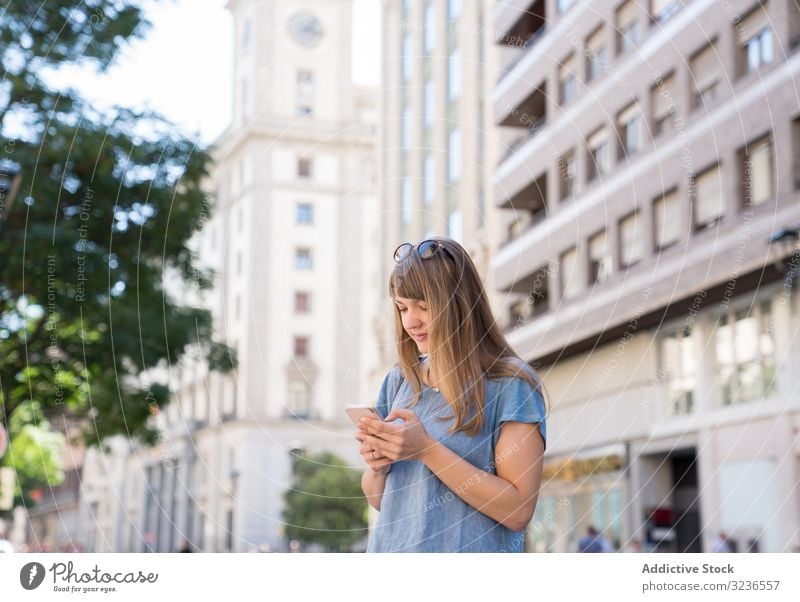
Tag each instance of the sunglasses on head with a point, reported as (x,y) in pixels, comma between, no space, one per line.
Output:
(426,249)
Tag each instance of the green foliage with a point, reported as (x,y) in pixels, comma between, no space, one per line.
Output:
(325,504)
(95,249)
(36,451)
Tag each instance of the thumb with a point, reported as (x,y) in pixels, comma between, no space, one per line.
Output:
(401,413)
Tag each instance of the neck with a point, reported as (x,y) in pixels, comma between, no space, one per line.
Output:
(427,376)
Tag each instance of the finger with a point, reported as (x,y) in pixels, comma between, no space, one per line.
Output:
(378,427)
(375,443)
(403,414)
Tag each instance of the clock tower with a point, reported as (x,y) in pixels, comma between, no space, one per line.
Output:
(291,239)
(290,58)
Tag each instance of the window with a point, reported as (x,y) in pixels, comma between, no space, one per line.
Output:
(629,122)
(663,101)
(428,104)
(707,202)
(408,58)
(302,259)
(567,81)
(567,174)
(570,283)
(599,157)
(301,346)
(454,75)
(627,26)
(599,258)
(515,228)
(631,239)
(563,5)
(305,213)
(453,9)
(678,364)
(707,76)
(405,201)
(247,35)
(406,128)
(519,312)
(428,182)
(745,353)
(661,10)
(667,222)
(454,155)
(304,167)
(759,49)
(755,40)
(247,104)
(454,225)
(305,92)
(429,29)
(299,403)
(757,172)
(595,54)
(302,302)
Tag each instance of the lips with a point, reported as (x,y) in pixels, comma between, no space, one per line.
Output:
(419,337)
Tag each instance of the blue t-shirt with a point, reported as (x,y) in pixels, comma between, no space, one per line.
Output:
(418,512)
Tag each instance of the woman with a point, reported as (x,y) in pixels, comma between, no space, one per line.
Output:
(456,464)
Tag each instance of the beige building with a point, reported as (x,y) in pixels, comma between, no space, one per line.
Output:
(289,234)
(433,137)
(650,158)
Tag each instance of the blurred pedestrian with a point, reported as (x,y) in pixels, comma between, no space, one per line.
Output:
(591,542)
(721,544)
(185,546)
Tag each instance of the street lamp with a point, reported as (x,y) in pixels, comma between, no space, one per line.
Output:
(10,178)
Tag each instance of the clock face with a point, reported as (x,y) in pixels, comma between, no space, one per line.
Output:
(305,28)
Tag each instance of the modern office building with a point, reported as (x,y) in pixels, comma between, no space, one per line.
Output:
(291,229)
(650,204)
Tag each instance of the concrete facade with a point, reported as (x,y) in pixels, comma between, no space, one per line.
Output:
(666,340)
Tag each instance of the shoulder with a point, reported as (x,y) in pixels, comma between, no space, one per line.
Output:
(522,373)
(394,375)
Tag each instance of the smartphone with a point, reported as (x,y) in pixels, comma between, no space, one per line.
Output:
(357,412)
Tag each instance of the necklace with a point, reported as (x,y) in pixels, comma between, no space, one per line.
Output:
(427,369)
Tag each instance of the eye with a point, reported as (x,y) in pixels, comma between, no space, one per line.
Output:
(402,309)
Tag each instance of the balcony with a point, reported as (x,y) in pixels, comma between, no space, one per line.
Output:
(519,28)
(532,198)
(522,138)
(530,114)
(533,298)
(524,48)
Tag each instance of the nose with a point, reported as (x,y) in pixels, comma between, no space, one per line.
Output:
(414,318)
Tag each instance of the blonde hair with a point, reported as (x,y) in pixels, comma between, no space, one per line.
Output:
(465,344)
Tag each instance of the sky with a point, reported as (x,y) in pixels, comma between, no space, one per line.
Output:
(183,67)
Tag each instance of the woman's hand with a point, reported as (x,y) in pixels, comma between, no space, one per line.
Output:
(372,457)
(407,441)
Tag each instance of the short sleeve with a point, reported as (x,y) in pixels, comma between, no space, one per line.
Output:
(388,392)
(519,401)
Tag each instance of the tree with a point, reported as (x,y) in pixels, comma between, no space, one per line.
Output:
(92,252)
(325,504)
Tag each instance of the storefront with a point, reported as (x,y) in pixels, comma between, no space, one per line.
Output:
(584,489)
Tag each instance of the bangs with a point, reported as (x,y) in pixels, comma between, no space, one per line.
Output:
(408,279)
